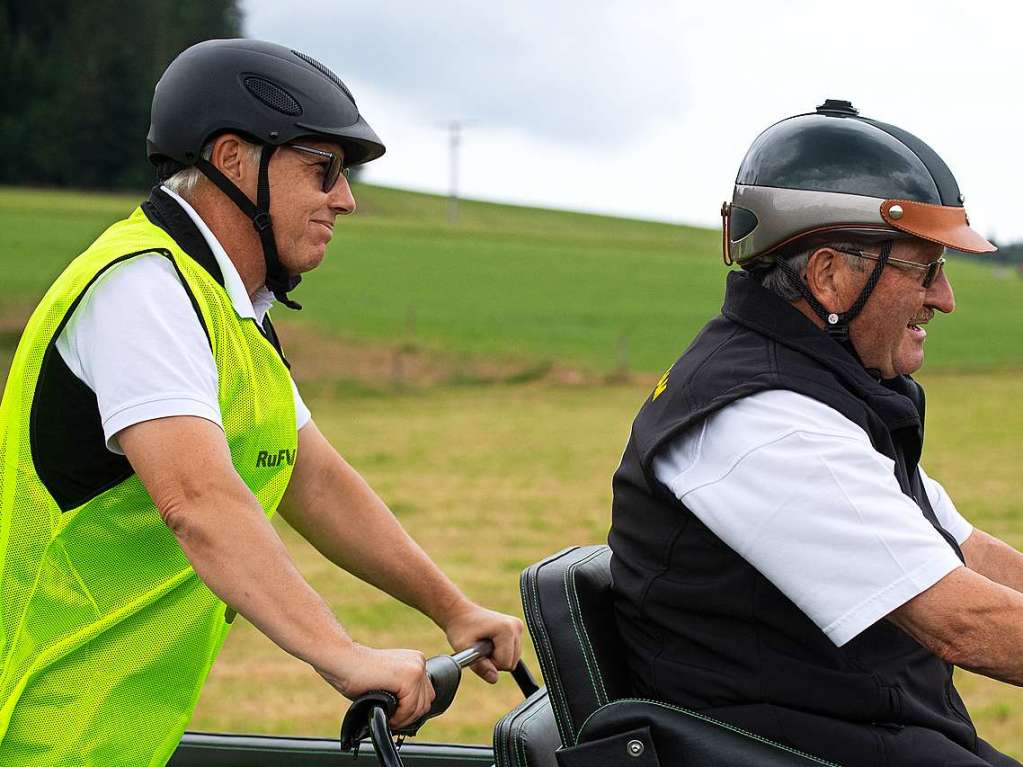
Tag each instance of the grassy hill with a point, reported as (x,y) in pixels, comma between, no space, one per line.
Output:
(489,479)
(513,283)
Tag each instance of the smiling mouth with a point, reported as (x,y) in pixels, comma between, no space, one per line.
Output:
(917,323)
(329,227)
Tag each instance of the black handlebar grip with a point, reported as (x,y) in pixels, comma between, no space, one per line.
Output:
(445,674)
(356,724)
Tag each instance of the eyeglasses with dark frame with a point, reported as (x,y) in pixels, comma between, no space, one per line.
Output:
(932,269)
(335,164)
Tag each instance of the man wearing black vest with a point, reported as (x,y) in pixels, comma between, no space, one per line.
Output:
(781,561)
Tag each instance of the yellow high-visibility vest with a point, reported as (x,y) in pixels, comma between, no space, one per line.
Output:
(106,632)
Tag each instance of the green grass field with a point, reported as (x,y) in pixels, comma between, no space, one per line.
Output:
(519,284)
(490,477)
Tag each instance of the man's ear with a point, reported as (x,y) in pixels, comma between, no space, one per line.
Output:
(231,158)
(823,277)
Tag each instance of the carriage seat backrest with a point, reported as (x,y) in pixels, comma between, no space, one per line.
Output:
(570,614)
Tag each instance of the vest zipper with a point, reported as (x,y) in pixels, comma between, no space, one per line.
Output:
(951,704)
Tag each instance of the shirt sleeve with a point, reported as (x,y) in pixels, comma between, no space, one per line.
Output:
(136,341)
(798,491)
(945,510)
(302,414)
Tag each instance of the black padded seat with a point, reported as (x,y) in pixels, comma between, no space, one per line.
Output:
(569,609)
(527,736)
(567,601)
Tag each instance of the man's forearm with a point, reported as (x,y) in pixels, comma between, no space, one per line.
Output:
(332,507)
(994,559)
(970,621)
(235,551)
(354,529)
(224,533)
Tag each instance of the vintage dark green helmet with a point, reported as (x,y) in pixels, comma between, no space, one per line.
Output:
(832,174)
(833,171)
(266,93)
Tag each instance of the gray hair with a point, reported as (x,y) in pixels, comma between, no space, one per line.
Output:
(184,182)
(783,284)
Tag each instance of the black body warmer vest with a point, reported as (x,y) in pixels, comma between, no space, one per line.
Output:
(703,629)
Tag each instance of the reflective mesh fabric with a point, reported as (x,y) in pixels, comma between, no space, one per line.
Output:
(106,633)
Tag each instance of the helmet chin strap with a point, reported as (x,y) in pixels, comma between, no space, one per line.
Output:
(278,280)
(837,323)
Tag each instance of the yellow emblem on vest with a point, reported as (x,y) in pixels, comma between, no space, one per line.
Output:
(661,385)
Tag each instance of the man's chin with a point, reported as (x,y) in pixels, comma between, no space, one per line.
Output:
(310,260)
(910,363)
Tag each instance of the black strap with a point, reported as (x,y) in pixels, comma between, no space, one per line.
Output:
(837,324)
(278,280)
(270,333)
(163,211)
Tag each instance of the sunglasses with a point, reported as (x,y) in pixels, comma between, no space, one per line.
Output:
(931,270)
(333,167)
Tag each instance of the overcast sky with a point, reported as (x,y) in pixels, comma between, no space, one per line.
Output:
(645,108)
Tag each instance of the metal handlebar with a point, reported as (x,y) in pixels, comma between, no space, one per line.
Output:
(369,713)
(470,655)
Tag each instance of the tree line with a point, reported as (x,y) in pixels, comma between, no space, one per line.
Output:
(78,82)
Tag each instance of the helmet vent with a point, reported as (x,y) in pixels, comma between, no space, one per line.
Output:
(326,73)
(273,96)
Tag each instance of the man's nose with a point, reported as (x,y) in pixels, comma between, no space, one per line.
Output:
(341,199)
(940,295)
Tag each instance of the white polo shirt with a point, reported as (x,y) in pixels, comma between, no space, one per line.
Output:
(798,491)
(136,342)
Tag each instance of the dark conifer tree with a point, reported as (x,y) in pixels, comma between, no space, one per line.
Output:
(78,80)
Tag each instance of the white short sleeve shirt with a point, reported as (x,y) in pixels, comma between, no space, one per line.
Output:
(135,341)
(798,491)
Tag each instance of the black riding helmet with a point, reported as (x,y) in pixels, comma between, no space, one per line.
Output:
(267,93)
(830,172)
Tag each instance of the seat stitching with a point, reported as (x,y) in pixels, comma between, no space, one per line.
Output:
(520,741)
(546,656)
(583,637)
(531,603)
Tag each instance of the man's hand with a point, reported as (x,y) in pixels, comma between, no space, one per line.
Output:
(472,623)
(402,672)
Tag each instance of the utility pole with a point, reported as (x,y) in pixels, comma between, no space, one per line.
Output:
(454,144)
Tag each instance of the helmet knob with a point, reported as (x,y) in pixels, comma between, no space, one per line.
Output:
(837,107)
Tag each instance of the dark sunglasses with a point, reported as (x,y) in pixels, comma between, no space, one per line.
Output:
(932,269)
(333,167)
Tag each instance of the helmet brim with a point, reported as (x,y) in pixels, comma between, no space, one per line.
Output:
(359,141)
(944,224)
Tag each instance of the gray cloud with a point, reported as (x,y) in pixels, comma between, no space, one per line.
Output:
(593,72)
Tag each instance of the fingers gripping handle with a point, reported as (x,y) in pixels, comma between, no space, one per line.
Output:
(445,673)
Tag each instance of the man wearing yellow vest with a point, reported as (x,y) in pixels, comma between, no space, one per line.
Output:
(150,428)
